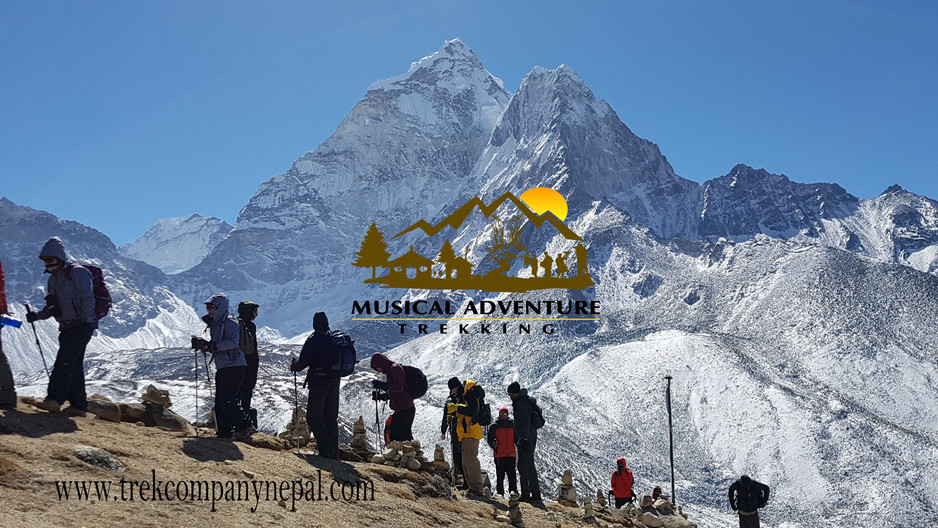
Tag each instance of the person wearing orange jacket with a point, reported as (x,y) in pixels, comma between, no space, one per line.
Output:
(501,439)
(7,391)
(622,483)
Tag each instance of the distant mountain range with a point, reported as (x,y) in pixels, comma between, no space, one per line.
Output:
(797,320)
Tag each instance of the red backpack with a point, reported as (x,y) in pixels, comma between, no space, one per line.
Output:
(102,297)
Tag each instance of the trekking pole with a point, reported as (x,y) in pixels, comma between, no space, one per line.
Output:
(671,438)
(296,405)
(196,421)
(33,324)
(377,431)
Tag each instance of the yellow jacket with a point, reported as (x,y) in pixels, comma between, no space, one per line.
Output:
(467,410)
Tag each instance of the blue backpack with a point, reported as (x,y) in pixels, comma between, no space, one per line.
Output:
(345,357)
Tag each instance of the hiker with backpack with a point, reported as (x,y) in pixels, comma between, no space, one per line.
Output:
(449,424)
(471,416)
(501,438)
(622,482)
(400,401)
(7,390)
(70,298)
(247,342)
(528,419)
(230,419)
(323,354)
(746,497)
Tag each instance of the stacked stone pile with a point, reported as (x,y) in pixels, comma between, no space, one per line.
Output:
(601,499)
(659,513)
(297,429)
(588,515)
(406,455)
(566,492)
(514,510)
(439,459)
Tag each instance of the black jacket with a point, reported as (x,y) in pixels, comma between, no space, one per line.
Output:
(447,423)
(748,499)
(317,353)
(521,406)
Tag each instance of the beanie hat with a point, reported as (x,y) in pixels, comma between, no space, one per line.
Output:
(503,410)
(514,388)
(454,383)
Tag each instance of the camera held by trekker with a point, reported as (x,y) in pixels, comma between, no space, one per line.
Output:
(200,344)
(380,395)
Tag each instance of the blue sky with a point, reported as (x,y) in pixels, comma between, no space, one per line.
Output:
(116,114)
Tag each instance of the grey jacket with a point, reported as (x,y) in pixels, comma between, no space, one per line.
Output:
(226,334)
(70,290)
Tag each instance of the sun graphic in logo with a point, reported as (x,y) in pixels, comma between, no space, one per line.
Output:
(542,199)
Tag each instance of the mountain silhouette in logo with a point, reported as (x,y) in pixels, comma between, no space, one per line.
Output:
(456,219)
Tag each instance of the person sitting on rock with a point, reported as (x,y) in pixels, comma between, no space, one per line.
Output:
(656,493)
(746,497)
(622,481)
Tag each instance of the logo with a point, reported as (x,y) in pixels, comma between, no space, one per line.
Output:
(536,268)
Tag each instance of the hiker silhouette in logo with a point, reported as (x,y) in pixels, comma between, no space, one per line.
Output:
(230,364)
(247,312)
(562,265)
(7,391)
(322,409)
(70,299)
(399,400)
(746,497)
(547,264)
(531,260)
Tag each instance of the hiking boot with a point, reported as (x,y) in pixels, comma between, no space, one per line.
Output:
(72,412)
(49,405)
(243,434)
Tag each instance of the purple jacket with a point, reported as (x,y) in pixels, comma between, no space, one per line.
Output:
(397,382)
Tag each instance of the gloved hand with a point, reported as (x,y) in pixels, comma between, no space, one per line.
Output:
(524,444)
(32,317)
(734,507)
(293,365)
(378,384)
(451,408)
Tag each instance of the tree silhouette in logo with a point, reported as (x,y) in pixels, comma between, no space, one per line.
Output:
(373,252)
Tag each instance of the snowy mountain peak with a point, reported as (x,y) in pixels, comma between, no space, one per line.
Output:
(453,67)
(177,244)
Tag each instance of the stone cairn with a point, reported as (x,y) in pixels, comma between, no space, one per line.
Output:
(406,455)
(439,459)
(566,492)
(588,515)
(514,510)
(601,499)
(297,430)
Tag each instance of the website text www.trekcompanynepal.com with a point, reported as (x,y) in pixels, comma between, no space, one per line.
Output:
(216,491)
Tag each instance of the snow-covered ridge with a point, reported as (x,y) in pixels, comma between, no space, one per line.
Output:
(177,244)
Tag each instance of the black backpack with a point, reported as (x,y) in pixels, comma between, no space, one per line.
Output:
(537,416)
(345,358)
(484,418)
(416,381)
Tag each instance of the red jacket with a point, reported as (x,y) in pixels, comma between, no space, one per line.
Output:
(502,438)
(622,481)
